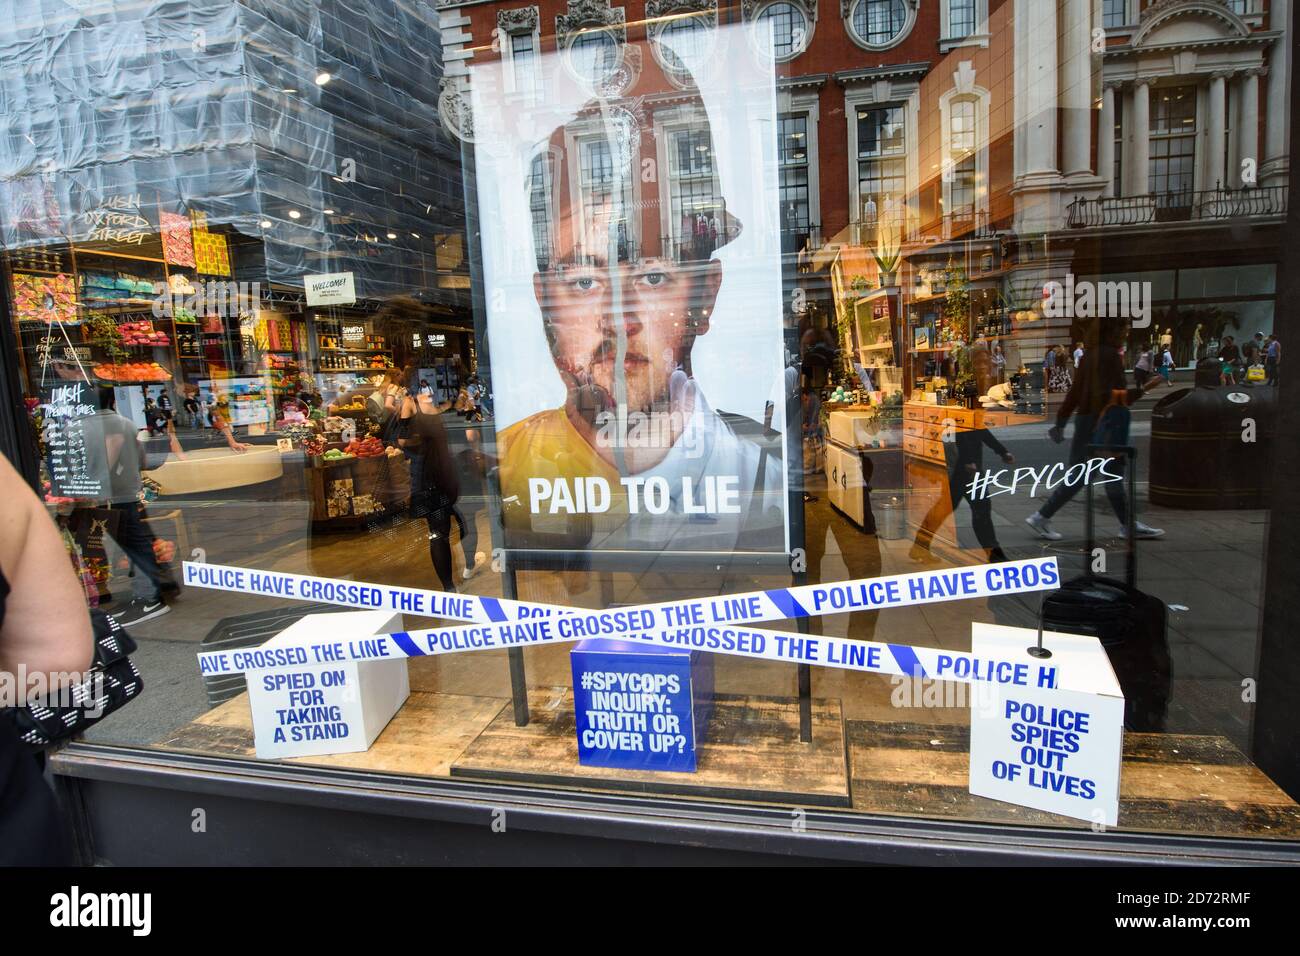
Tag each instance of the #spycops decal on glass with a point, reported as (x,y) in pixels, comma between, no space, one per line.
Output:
(632,276)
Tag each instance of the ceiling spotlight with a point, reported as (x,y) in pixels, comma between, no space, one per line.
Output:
(415,235)
(322,78)
(265,224)
(338,179)
(288,89)
(392,235)
(294,214)
(328,212)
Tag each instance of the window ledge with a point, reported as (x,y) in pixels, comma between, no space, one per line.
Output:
(972,39)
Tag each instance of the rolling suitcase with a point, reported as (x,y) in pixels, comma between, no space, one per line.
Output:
(1129,623)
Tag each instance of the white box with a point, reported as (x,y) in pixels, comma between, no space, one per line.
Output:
(849,427)
(328,708)
(1071,768)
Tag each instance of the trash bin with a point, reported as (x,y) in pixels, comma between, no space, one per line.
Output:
(1211,447)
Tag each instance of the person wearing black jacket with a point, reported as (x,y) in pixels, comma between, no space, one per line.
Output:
(435,486)
(967,459)
(1099,384)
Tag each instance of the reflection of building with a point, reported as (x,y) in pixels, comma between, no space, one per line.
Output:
(990,140)
(256,143)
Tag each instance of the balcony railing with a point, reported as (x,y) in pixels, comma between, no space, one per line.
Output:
(1206,205)
(960,224)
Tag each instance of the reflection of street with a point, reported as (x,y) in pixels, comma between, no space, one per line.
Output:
(1209,563)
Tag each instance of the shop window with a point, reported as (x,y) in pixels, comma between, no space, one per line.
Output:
(682,44)
(962,143)
(882,173)
(523,62)
(593,56)
(1117,175)
(539,200)
(878,24)
(695,206)
(781,30)
(606,197)
(961,17)
(793,149)
(1173,146)
(670,404)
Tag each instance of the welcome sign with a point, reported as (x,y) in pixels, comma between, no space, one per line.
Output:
(330,288)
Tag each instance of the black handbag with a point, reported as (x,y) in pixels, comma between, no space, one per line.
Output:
(112,680)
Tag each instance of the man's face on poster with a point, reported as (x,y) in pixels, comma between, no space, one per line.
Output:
(663,306)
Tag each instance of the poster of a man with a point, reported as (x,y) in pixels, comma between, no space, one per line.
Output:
(652,231)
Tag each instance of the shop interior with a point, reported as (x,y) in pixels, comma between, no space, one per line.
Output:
(893,365)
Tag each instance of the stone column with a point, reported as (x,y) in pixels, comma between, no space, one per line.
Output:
(1106,141)
(1076,87)
(1040,132)
(1137,135)
(1215,121)
(1277,127)
(1248,126)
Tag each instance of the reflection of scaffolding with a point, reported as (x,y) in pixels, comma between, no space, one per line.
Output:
(243,111)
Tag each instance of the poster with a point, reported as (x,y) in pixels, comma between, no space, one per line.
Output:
(178,246)
(71,459)
(628,209)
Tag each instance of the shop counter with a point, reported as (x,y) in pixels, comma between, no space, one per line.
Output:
(216,469)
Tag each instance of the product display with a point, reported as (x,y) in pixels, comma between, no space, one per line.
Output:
(48,299)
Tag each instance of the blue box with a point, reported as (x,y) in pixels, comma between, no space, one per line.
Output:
(640,706)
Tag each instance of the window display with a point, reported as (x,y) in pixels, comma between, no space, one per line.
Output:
(712,416)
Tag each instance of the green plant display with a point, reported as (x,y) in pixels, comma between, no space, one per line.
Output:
(105,335)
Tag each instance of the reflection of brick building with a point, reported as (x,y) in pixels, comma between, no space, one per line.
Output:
(993,139)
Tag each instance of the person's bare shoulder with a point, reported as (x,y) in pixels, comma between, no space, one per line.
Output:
(16,500)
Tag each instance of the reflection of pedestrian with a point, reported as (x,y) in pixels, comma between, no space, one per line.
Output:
(435,490)
(1229,358)
(112,450)
(1142,368)
(191,406)
(1059,378)
(471,469)
(1167,366)
(967,461)
(1098,420)
(1272,359)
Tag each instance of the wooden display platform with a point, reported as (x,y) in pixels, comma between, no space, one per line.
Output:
(751,752)
(425,736)
(1169,783)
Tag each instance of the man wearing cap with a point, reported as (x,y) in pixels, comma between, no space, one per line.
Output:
(621,318)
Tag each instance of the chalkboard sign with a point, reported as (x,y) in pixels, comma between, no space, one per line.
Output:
(68,456)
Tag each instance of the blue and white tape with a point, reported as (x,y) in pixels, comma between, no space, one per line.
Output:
(776,604)
(710,624)
(754,643)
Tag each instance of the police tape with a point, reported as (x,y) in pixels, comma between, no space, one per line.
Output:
(761,644)
(775,604)
(698,624)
